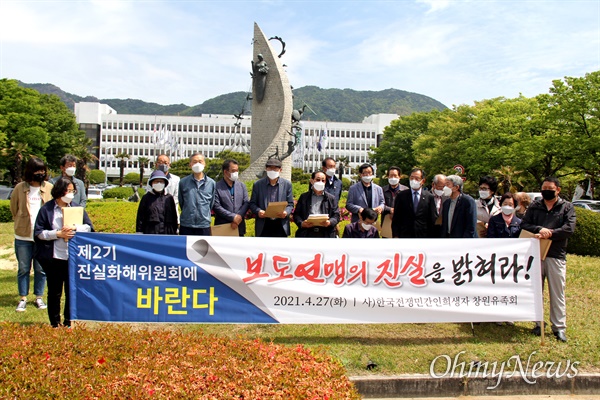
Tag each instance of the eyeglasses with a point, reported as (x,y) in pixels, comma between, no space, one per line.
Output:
(72,191)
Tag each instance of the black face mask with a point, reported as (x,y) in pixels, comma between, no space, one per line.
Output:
(548,194)
(39,177)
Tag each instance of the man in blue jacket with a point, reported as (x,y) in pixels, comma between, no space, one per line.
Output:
(269,189)
(365,194)
(196,199)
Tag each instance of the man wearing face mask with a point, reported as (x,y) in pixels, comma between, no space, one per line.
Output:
(316,201)
(412,209)
(231,198)
(272,188)
(68,167)
(390,191)
(364,228)
(196,199)
(365,194)
(333,185)
(459,212)
(164,164)
(437,187)
(553,218)
(487,205)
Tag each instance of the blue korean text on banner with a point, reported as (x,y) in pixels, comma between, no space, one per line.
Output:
(149,278)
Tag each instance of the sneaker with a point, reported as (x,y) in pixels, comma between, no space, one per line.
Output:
(22,306)
(39,303)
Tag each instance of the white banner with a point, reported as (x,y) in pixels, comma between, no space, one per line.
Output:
(378,281)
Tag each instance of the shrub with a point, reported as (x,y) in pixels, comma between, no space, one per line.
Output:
(586,238)
(5,214)
(113,216)
(96,176)
(132,178)
(124,192)
(121,362)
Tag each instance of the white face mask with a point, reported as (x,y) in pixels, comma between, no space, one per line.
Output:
(330,172)
(67,198)
(319,186)
(273,174)
(507,210)
(415,185)
(438,192)
(484,194)
(197,168)
(70,171)
(366,227)
(158,186)
(234,176)
(394,181)
(367,179)
(447,191)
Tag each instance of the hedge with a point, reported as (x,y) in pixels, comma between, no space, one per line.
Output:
(123,192)
(586,238)
(5,214)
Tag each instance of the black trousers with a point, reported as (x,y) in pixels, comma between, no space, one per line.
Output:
(57,276)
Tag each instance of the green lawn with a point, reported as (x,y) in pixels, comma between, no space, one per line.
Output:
(404,348)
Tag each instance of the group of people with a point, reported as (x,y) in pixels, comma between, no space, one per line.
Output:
(172,205)
(41,237)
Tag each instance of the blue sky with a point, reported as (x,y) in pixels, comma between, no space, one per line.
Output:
(173,51)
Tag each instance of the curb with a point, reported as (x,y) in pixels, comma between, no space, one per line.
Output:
(509,385)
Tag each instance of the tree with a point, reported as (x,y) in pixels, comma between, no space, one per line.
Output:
(142,163)
(573,113)
(33,124)
(122,157)
(396,147)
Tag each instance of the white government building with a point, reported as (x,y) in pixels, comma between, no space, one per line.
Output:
(178,137)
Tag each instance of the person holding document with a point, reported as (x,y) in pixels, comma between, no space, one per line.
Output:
(52,233)
(272,202)
(317,212)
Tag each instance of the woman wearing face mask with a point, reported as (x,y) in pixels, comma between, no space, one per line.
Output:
(487,205)
(25,202)
(506,224)
(316,201)
(52,247)
(157,213)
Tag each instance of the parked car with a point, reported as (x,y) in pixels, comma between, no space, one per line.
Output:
(592,205)
(534,195)
(5,193)
(94,193)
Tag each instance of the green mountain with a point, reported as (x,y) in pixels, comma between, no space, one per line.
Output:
(339,105)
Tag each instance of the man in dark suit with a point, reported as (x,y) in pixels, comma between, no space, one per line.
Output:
(269,189)
(390,191)
(459,213)
(333,185)
(412,209)
(231,198)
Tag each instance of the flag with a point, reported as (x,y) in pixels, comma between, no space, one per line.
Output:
(322,143)
(590,191)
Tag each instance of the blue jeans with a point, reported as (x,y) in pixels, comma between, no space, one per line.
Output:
(24,251)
